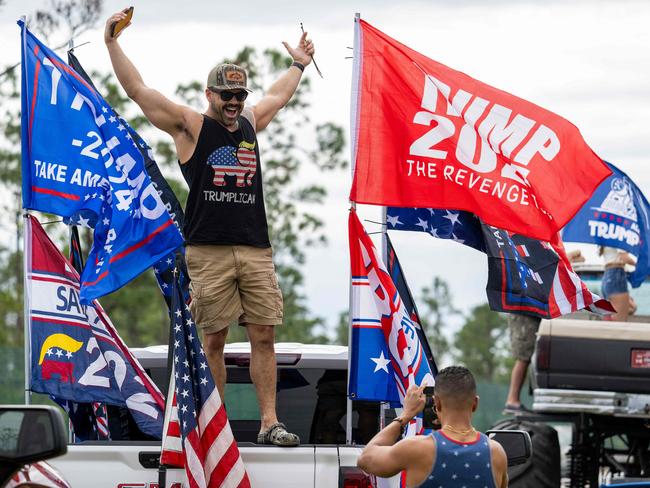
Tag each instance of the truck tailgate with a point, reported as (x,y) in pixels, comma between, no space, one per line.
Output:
(593,355)
(123,466)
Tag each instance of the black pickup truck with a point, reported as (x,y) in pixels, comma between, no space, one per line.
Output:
(594,376)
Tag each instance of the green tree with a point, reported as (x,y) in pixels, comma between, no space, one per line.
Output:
(481,344)
(343,328)
(438,308)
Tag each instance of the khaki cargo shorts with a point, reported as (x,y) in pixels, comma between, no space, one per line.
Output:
(523,330)
(232,284)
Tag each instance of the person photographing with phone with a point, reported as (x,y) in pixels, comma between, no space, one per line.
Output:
(454,456)
(228,253)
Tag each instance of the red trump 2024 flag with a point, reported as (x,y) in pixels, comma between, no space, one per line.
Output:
(425,135)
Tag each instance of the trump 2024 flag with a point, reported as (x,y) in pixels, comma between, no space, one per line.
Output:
(79,161)
(617,215)
(427,136)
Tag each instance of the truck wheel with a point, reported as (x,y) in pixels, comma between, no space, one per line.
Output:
(543,469)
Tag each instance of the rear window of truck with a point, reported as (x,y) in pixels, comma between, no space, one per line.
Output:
(310,401)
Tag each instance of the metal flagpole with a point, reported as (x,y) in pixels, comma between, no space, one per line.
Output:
(384,254)
(356,72)
(27,257)
(27,321)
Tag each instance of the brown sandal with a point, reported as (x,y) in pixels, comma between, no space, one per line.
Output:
(277,435)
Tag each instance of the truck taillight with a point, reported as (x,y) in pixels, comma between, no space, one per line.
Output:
(543,353)
(355,478)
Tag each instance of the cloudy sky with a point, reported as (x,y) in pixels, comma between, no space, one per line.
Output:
(585,60)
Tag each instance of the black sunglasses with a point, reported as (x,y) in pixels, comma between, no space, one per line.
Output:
(226,96)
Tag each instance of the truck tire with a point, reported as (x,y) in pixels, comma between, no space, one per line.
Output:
(543,469)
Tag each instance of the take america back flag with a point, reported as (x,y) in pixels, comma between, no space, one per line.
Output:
(208,448)
(427,136)
(80,162)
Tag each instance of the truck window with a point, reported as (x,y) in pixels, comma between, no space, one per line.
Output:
(310,401)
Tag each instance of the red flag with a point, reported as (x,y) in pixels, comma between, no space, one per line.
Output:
(426,135)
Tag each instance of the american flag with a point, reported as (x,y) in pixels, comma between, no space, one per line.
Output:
(457,225)
(209,451)
(525,275)
(233,161)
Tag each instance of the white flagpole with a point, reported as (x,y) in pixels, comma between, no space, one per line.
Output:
(356,73)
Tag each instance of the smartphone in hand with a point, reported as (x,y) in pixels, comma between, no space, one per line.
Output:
(118,26)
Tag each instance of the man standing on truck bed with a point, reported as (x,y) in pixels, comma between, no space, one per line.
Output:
(229,256)
(454,456)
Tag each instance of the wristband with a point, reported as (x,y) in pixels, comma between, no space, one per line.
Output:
(402,427)
(298,65)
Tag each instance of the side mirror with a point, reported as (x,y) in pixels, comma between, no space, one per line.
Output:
(516,443)
(29,433)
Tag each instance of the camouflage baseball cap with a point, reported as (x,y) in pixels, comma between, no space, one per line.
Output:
(226,76)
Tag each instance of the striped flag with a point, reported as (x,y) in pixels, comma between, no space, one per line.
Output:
(37,474)
(569,293)
(101,421)
(208,448)
(172,445)
(525,275)
(534,277)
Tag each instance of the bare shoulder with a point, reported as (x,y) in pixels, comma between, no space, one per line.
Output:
(499,464)
(249,115)
(192,121)
(188,135)
(420,447)
(499,457)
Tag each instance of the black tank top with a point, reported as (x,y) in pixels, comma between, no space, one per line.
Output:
(226,203)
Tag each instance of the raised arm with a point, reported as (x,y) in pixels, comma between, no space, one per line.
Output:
(279,94)
(161,112)
(383,457)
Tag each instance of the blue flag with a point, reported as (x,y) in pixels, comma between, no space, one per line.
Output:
(616,216)
(457,225)
(163,269)
(76,353)
(80,162)
(386,354)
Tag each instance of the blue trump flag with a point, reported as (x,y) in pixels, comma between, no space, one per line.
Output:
(615,216)
(163,269)
(80,161)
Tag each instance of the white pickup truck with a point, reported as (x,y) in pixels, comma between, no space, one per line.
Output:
(311,401)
